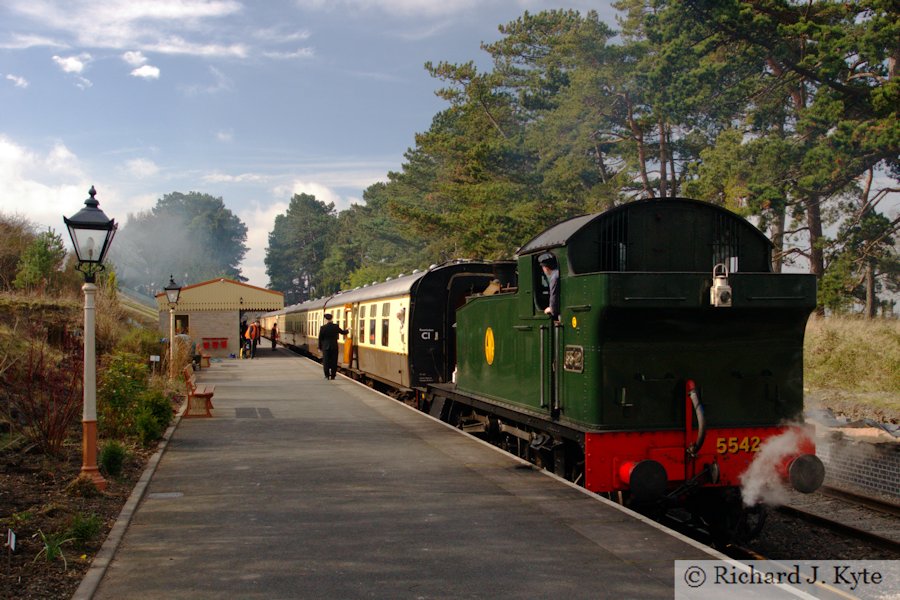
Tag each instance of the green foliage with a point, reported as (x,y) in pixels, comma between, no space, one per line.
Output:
(40,262)
(84,528)
(18,519)
(192,235)
(780,111)
(52,547)
(17,234)
(141,342)
(123,380)
(154,413)
(298,245)
(112,458)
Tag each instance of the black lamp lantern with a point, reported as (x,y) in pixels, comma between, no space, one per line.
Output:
(173,290)
(92,234)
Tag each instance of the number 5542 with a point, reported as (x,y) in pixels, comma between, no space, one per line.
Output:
(733,445)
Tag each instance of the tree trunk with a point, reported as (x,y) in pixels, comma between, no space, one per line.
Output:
(778,241)
(642,151)
(871,299)
(816,256)
(663,160)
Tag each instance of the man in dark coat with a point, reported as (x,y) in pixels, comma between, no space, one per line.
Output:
(328,345)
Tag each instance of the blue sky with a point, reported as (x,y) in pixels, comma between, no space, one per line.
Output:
(247,100)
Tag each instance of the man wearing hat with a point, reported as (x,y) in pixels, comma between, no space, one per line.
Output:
(551,270)
(328,345)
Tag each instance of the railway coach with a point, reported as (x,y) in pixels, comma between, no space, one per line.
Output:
(402,330)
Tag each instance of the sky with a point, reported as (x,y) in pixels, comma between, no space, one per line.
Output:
(251,101)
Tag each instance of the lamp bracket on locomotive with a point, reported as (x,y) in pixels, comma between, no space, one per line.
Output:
(720,292)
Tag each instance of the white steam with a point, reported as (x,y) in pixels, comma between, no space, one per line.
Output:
(762,482)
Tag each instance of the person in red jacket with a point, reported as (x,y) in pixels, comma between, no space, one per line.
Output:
(253,334)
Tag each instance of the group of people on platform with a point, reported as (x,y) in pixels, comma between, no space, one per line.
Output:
(250,337)
(328,342)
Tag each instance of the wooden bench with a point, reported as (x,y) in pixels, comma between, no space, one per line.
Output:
(199,397)
(204,358)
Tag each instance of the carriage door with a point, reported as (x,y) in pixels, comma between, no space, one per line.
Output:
(347,323)
(549,342)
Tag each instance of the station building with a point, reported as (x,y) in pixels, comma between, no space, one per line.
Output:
(211,312)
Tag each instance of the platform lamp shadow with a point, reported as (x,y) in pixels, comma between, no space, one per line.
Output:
(92,234)
(173,291)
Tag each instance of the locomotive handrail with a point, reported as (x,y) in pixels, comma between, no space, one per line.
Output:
(694,448)
(542,344)
(672,298)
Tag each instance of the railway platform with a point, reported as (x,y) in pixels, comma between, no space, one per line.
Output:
(300,487)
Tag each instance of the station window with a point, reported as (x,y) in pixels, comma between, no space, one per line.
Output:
(385,322)
(182,324)
(362,325)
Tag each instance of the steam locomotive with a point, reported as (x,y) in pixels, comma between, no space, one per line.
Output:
(677,356)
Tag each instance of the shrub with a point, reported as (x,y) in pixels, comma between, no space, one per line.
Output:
(124,379)
(112,458)
(154,415)
(84,529)
(44,389)
(142,342)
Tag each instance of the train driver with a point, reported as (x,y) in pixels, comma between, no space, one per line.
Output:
(551,271)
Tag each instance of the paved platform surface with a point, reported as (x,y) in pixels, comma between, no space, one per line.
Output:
(305,488)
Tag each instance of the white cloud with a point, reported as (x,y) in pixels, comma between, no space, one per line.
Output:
(134,58)
(72,64)
(41,188)
(429,8)
(146,72)
(19,82)
(141,168)
(279,36)
(123,23)
(45,185)
(178,45)
(225,136)
(323,193)
(20,41)
(260,220)
(242,178)
(221,83)
(299,53)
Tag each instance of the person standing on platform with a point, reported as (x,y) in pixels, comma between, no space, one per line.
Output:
(253,334)
(328,345)
(274,334)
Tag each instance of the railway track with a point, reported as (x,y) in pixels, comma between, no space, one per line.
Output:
(829,525)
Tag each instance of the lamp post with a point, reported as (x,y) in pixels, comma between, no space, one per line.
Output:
(173,290)
(92,233)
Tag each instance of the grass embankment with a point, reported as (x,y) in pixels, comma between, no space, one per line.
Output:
(852,366)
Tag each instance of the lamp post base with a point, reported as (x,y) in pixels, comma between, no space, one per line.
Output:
(89,455)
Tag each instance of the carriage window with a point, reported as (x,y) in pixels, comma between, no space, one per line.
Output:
(385,322)
(362,325)
(372,329)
